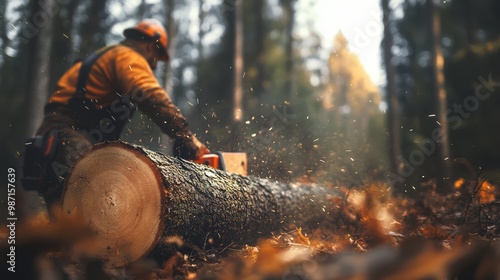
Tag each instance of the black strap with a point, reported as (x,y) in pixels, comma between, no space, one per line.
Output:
(84,111)
(83,74)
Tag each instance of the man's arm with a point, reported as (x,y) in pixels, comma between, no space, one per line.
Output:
(138,79)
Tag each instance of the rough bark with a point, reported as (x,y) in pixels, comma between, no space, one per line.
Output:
(119,187)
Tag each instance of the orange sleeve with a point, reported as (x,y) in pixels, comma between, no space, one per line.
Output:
(137,78)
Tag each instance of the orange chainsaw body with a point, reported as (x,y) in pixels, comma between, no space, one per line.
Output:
(230,162)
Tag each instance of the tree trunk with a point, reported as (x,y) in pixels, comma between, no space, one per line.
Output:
(5,42)
(168,73)
(38,75)
(172,28)
(238,63)
(92,31)
(289,66)
(131,197)
(471,22)
(3,31)
(62,55)
(142,10)
(237,116)
(201,33)
(439,96)
(260,37)
(394,124)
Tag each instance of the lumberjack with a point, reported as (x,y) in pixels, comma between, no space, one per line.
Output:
(93,101)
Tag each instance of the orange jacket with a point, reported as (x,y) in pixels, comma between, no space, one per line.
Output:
(120,73)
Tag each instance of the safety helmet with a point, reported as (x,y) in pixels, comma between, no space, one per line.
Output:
(150,30)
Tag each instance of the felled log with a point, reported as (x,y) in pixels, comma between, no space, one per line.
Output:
(131,197)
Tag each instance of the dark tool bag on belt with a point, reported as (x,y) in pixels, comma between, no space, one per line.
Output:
(39,151)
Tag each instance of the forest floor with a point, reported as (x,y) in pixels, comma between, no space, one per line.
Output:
(377,236)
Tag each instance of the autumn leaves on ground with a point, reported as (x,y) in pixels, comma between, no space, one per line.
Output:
(377,236)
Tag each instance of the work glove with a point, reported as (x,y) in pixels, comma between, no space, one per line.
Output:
(189,147)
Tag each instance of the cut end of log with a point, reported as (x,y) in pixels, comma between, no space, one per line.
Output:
(119,193)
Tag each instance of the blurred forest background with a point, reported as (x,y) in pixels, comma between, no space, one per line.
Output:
(248,81)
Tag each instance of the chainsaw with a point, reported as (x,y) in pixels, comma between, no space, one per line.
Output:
(230,162)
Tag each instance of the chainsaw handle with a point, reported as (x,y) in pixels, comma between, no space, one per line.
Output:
(222,163)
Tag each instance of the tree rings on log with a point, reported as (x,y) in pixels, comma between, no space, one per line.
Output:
(120,194)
